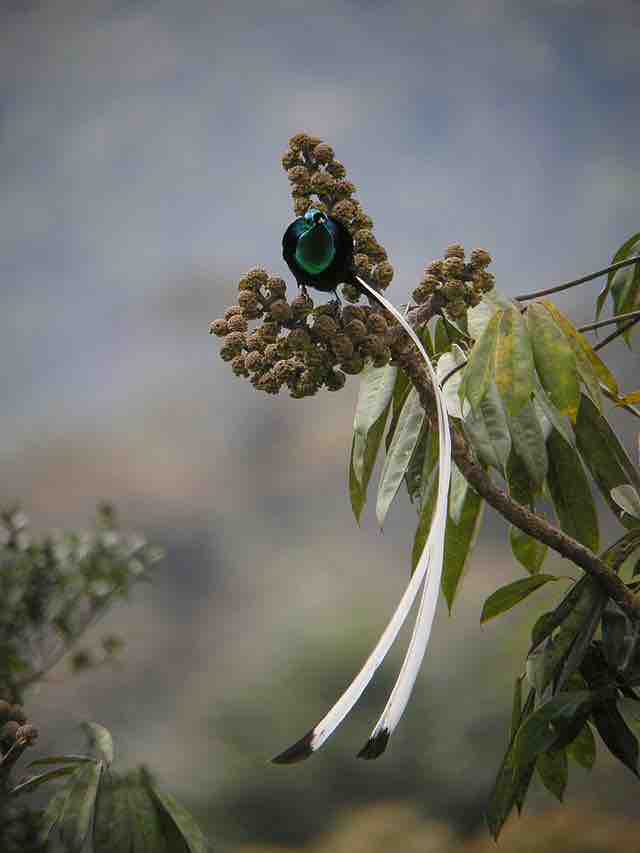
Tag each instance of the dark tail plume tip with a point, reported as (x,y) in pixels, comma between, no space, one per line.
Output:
(298,752)
(375,746)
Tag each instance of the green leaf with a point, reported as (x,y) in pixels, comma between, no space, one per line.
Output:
(583,748)
(460,538)
(604,456)
(374,395)
(100,739)
(401,388)
(542,729)
(62,759)
(413,474)
(544,407)
(617,632)
(511,784)
(627,499)
(548,622)
(616,734)
(508,596)
(54,812)
(553,769)
(555,360)
(527,550)
(364,450)
(590,366)
(527,440)
(488,431)
(480,370)
(34,782)
(428,499)
(441,340)
(145,819)
(183,821)
(625,251)
(400,452)
(571,493)
(516,706)
(74,825)
(625,289)
(514,365)
(112,825)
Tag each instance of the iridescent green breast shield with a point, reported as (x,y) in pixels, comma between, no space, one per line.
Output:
(315,250)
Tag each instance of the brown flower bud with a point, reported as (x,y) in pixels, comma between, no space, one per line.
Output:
(219,328)
(421,294)
(301,306)
(271,353)
(8,731)
(299,339)
(365,241)
(280,310)
(231,310)
(254,361)
(454,251)
(361,219)
(473,297)
(480,258)
(255,341)
(454,289)
(277,286)
(238,365)
(351,293)
(485,281)
(313,358)
(344,188)
(434,268)
(290,159)
(383,273)
(244,284)
(257,276)
(342,346)
(456,309)
(298,141)
(324,326)
(343,210)
(362,264)
(376,324)
(281,371)
(234,341)
(323,153)
(453,267)
(431,282)
(323,183)
(301,203)
(299,175)
(353,365)
(237,323)
(336,169)
(356,330)
(269,332)
(382,358)
(27,734)
(335,380)
(354,312)
(248,300)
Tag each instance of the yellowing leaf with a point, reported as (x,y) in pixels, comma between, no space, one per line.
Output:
(514,362)
(555,360)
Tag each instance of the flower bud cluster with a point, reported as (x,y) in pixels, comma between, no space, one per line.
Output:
(460,282)
(14,727)
(319,180)
(299,345)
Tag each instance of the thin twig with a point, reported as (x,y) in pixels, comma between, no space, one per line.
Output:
(615,319)
(616,334)
(577,281)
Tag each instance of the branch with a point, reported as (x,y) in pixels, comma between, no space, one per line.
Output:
(615,319)
(514,512)
(577,281)
(616,334)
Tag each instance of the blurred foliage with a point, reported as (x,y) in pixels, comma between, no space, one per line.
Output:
(52,590)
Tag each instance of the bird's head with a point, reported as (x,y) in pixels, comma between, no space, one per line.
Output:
(314,217)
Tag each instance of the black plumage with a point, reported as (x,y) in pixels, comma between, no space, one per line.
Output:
(319,251)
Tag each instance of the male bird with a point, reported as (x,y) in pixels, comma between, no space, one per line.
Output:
(319,252)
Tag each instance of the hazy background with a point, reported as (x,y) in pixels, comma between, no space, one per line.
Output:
(140,177)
